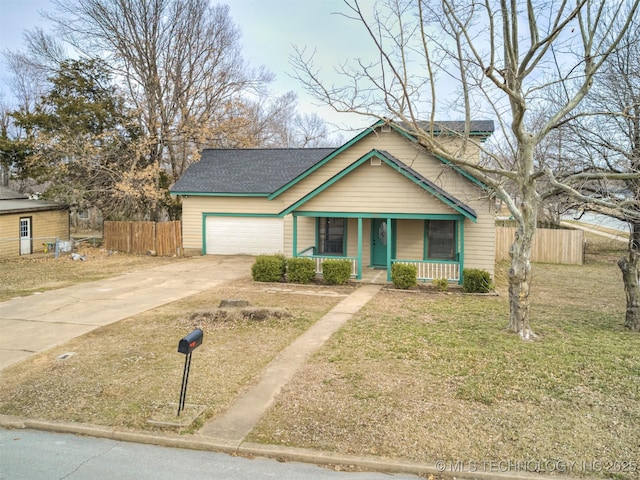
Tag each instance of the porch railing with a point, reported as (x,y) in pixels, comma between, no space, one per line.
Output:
(430,270)
(320,259)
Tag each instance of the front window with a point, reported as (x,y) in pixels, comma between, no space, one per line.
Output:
(441,240)
(331,234)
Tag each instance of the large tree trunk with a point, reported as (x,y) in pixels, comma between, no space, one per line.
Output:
(520,279)
(630,267)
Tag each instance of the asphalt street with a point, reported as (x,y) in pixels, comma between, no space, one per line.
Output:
(35,455)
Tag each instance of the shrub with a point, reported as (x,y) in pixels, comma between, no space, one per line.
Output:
(336,272)
(476,281)
(269,268)
(404,276)
(301,270)
(440,284)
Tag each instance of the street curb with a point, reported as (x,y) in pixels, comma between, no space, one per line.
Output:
(278,452)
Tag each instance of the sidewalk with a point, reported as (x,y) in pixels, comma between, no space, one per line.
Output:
(38,322)
(233,426)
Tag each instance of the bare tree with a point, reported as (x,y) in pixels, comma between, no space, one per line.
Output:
(503,56)
(179,60)
(607,141)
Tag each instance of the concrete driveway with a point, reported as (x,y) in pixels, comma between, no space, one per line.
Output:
(38,322)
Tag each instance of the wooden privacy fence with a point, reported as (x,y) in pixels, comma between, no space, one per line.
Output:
(549,245)
(164,238)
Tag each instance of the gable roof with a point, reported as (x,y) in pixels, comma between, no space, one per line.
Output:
(400,167)
(450,125)
(247,172)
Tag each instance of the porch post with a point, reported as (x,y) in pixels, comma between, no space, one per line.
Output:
(295,235)
(461,250)
(359,248)
(390,235)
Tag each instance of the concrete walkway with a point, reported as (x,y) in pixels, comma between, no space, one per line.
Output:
(38,322)
(233,426)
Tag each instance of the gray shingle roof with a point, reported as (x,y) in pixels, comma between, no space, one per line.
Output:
(475,126)
(247,171)
(8,194)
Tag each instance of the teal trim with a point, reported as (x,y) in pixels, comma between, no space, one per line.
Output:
(217,214)
(330,182)
(461,254)
(456,253)
(397,216)
(390,235)
(463,172)
(359,248)
(391,243)
(214,194)
(360,161)
(222,214)
(329,157)
(344,236)
(444,200)
(295,236)
(204,234)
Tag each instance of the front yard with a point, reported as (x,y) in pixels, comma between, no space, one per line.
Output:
(420,375)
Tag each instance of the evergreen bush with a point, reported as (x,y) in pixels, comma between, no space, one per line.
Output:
(336,272)
(269,268)
(301,270)
(404,276)
(476,281)
(440,284)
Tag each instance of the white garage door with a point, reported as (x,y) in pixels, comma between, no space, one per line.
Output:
(244,235)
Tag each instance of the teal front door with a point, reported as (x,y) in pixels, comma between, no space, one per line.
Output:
(379,240)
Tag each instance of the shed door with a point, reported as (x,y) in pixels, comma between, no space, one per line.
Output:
(244,235)
(25,236)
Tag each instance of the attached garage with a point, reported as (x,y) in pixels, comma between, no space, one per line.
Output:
(243,235)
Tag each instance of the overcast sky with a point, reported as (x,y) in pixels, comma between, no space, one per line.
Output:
(269,29)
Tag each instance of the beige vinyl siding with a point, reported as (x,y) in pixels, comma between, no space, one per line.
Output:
(410,239)
(306,234)
(46,226)
(480,241)
(376,189)
(194,206)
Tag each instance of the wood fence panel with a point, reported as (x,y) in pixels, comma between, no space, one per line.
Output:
(549,245)
(141,237)
(168,238)
(117,236)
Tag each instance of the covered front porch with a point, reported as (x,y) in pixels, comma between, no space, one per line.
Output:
(373,242)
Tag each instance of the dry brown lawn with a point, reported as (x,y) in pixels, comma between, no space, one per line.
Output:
(418,375)
(122,374)
(438,377)
(40,272)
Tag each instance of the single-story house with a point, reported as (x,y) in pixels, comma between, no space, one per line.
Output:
(30,226)
(378,199)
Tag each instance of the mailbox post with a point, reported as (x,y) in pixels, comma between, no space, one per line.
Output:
(187,345)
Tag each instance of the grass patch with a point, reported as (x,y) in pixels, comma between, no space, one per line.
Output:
(39,272)
(431,377)
(122,374)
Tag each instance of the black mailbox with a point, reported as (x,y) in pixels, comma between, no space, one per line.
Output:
(192,341)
